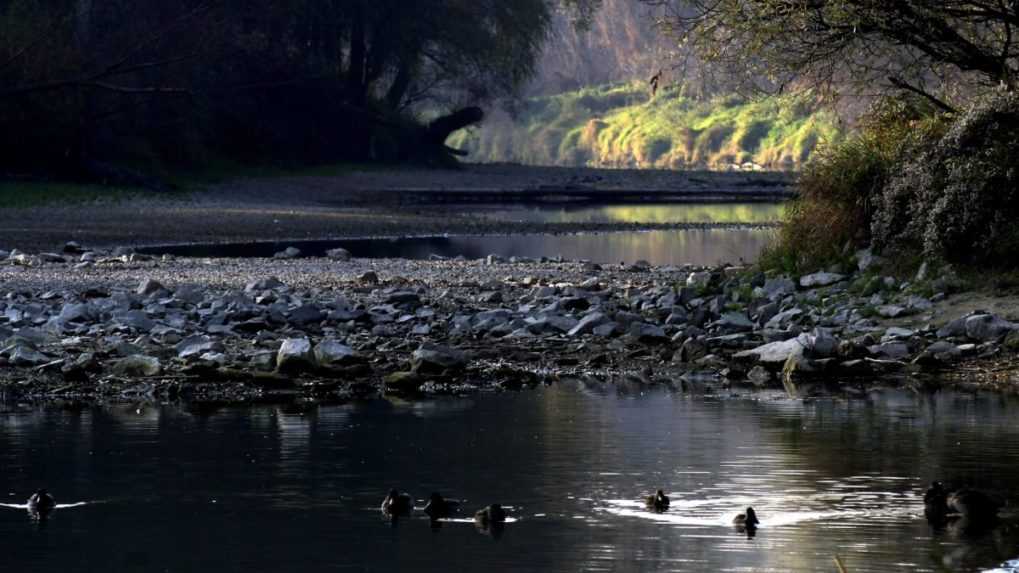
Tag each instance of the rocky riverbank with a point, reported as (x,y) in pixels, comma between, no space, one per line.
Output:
(115,325)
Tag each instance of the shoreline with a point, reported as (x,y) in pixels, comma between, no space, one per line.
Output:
(363,203)
(126,327)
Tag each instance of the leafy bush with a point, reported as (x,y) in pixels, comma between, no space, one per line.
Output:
(839,186)
(955,196)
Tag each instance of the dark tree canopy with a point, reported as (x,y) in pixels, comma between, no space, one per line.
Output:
(924,46)
(305,79)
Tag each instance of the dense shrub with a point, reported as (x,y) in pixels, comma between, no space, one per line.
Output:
(838,187)
(955,197)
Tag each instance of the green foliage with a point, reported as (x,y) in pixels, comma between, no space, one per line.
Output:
(955,196)
(837,190)
(17,195)
(620,126)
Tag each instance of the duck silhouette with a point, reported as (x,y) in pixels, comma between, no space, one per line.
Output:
(397,503)
(658,502)
(746,520)
(41,503)
(942,504)
(439,507)
(490,515)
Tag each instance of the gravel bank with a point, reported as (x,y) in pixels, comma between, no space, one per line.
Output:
(120,326)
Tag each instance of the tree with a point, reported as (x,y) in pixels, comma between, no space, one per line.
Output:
(921,46)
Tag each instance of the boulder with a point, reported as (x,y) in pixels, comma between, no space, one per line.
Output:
(760,376)
(271,283)
(432,358)
(988,327)
(306,314)
(331,353)
(774,353)
(288,253)
(149,287)
(197,345)
(588,323)
(25,356)
(338,254)
(295,355)
(821,279)
(138,365)
(820,343)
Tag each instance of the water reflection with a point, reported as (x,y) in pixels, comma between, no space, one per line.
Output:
(252,488)
(751,213)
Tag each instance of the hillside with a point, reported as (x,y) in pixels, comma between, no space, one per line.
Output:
(621,126)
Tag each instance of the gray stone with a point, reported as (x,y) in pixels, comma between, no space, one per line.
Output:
(890,350)
(892,311)
(953,329)
(866,259)
(403,297)
(784,318)
(588,323)
(820,343)
(288,253)
(271,283)
(197,345)
(138,365)
(435,358)
(76,312)
(734,322)
(338,254)
(295,355)
(606,330)
(988,327)
(760,376)
(135,319)
(777,288)
(647,332)
(821,279)
(307,314)
(330,352)
(149,287)
(699,281)
(774,353)
(26,356)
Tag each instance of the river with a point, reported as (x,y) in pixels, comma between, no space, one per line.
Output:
(282,488)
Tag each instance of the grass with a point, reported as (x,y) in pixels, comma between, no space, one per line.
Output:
(20,195)
(622,126)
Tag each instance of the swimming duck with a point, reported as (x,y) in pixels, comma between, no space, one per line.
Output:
(746,520)
(439,507)
(41,502)
(397,503)
(973,504)
(658,502)
(935,501)
(490,515)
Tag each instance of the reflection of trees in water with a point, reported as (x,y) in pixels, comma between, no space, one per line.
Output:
(553,451)
(699,247)
(751,213)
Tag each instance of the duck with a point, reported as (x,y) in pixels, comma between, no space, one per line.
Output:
(41,502)
(439,507)
(397,503)
(935,501)
(746,520)
(973,504)
(492,514)
(658,502)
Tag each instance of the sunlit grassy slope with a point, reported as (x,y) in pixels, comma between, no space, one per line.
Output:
(621,126)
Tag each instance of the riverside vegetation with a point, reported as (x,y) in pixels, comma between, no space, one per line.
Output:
(620,126)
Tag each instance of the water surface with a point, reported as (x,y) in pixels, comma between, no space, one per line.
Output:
(277,489)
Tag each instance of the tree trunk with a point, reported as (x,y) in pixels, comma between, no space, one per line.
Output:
(401,83)
(358,52)
(439,130)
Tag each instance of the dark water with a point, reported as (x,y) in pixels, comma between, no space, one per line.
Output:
(267,489)
(674,247)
